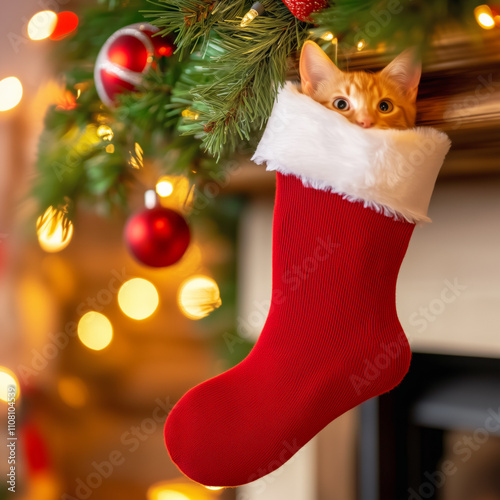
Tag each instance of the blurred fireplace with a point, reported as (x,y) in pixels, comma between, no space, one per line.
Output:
(437,435)
(477,472)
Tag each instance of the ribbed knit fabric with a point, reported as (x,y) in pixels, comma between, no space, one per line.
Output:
(331,341)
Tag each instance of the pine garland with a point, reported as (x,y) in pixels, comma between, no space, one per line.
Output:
(394,24)
(241,68)
(214,94)
(78,162)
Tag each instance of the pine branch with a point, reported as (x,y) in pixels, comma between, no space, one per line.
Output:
(77,165)
(192,20)
(386,23)
(241,68)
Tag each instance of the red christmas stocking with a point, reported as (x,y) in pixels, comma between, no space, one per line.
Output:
(347,201)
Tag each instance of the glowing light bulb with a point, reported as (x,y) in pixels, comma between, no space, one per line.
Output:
(42,25)
(54,230)
(361,45)
(11,93)
(137,158)
(138,298)
(171,495)
(256,10)
(67,22)
(191,115)
(328,36)
(66,101)
(165,51)
(164,187)
(175,192)
(214,488)
(8,380)
(105,133)
(95,330)
(174,490)
(198,296)
(73,391)
(485,20)
(484,17)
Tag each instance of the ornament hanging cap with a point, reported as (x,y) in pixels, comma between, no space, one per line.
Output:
(150,199)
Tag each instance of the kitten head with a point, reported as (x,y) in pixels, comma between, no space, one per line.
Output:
(386,99)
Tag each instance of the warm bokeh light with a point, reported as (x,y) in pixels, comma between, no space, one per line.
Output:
(42,25)
(176,490)
(484,17)
(138,298)
(361,45)
(60,276)
(171,495)
(95,330)
(486,21)
(328,36)
(137,157)
(190,114)
(66,101)
(105,133)
(11,93)
(37,307)
(198,296)
(54,231)
(175,192)
(67,22)
(73,391)
(7,378)
(214,488)
(164,187)
(165,51)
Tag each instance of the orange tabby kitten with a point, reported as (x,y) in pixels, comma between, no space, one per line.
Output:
(386,99)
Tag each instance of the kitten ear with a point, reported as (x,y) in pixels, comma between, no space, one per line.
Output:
(405,70)
(315,68)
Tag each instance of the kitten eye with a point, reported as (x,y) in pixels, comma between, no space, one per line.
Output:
(385,106)
(341,104)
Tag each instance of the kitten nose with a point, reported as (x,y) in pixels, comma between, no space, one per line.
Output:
(365,122)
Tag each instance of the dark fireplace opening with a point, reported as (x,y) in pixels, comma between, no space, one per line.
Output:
(437,435)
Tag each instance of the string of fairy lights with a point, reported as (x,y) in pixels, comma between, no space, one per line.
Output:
(56,26)
(137,298)
(198,295)
(43,25)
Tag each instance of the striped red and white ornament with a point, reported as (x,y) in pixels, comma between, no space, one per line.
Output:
(126,57)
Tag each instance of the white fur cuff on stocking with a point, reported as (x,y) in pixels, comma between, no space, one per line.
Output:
(391,171)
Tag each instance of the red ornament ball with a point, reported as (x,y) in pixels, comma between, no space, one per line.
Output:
(302,9)
(126,57)
(157,237)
